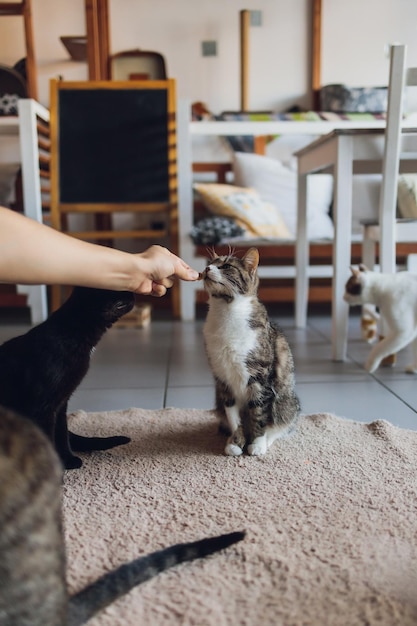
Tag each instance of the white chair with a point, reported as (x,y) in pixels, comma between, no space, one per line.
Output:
(400,156)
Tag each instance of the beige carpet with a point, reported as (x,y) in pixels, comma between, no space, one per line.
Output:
(330,514)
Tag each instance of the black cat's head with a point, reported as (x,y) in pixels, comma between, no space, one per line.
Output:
(108,305)
(229,276)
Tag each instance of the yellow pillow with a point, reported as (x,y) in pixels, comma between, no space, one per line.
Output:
(257,217)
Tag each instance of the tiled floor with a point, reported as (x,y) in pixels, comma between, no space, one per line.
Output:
(165,365)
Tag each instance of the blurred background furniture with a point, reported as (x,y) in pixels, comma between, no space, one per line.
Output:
(346,153)
(277,256)
(24,9)
(137,65)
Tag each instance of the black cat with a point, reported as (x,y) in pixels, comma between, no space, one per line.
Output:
(40,370)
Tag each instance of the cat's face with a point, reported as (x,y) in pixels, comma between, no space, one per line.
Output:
(354,286)
(229,276)
(111,305)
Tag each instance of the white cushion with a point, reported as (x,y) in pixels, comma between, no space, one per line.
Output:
(277,184)
(407,195)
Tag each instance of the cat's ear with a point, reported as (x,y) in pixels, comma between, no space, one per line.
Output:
(357,272)
(251,259)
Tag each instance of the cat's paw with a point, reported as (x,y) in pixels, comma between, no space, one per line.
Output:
(411,369)
(371,365)
(72,462)
(232,449)
(258,447)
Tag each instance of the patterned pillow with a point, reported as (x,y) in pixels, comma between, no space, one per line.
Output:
(212,230)
(257,217)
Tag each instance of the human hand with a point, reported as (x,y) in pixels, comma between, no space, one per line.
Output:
(160,268)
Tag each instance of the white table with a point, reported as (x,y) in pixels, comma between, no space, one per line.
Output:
(343,153)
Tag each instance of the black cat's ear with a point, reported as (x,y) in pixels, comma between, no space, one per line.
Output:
(251,259)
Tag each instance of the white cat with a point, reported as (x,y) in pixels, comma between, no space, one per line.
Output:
(395,295)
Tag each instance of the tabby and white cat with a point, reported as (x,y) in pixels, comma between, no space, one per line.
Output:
(395,295)
(250,358)
(33,589)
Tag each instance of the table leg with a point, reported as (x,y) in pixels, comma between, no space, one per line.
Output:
(301,255)
(343,180)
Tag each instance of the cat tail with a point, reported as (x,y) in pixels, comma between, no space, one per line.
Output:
(111,586)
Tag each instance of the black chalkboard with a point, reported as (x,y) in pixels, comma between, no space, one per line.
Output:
(113,145)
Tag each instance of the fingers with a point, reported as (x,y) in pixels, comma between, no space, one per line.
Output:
(158,290)
(182,270)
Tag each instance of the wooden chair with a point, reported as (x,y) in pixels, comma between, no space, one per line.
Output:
(400,156)
(114,155)
(24,9)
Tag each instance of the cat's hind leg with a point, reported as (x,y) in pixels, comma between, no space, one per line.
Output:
(61,438)
(412,368)
(79,443)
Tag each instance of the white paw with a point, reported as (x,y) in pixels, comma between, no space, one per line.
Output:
(411,369)
(371,366)
(233,450)
(258,447)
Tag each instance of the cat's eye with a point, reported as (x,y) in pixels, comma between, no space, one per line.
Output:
(226,266)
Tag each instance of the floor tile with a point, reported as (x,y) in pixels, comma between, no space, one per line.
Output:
(116,399)
(190,397)
(359,401)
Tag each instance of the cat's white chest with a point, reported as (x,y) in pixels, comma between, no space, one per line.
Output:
(229,340)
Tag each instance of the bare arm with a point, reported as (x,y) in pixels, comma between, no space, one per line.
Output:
(32,253)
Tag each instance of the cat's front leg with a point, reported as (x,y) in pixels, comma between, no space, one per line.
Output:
(389,345)
(236,441)
(258,446)
(228,413)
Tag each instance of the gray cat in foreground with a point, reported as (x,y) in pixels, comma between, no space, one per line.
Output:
(33,588)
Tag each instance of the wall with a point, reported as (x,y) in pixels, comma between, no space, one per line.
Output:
(354,35)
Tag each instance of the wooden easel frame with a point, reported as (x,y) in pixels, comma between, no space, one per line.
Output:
(60,210)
